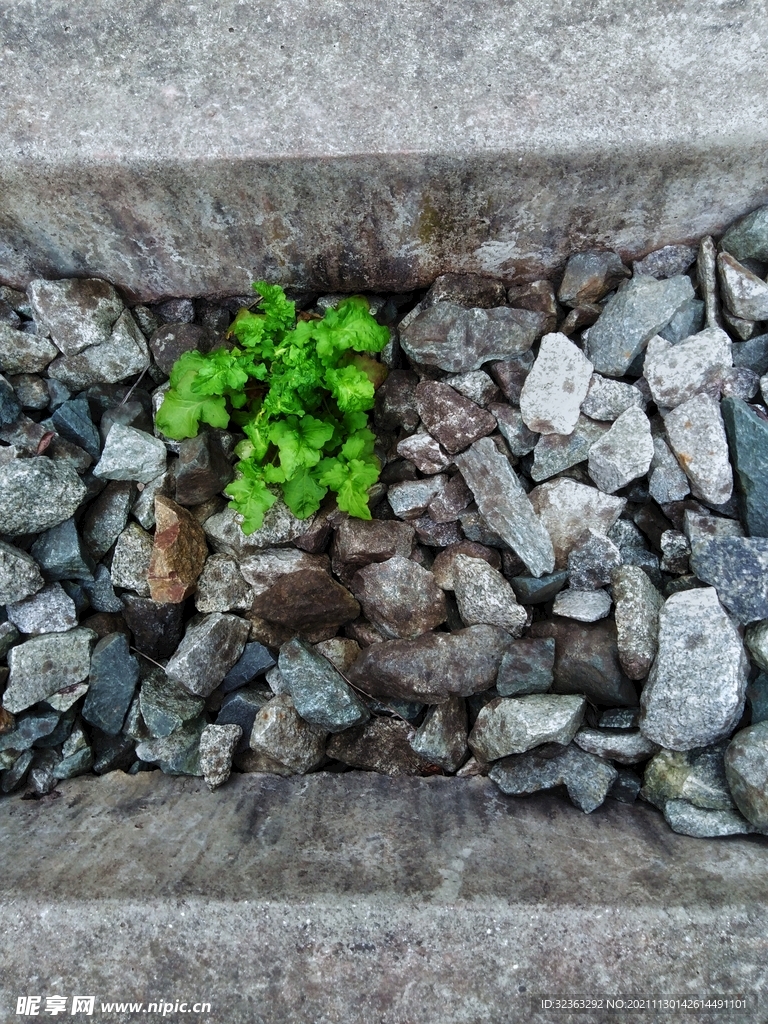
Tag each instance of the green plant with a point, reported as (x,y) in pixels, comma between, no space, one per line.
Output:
(300,392)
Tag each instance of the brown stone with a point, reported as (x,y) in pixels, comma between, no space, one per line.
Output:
(178,554)
(306,603)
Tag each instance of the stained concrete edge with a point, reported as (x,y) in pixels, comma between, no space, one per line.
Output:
(358,898)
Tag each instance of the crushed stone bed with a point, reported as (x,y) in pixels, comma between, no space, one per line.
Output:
(564,582)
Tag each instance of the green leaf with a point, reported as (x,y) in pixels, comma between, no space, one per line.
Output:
(299,441)
(360,445)
(251,498)
(183,410)
(279,312)
(303,494)
(220,372)
(258,435)
(351,388)
(351,481)
(250,329)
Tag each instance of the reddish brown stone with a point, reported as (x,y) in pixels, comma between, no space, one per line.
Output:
(178,554)
(306,603)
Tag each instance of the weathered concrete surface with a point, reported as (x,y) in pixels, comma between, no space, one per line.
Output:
(358,898)
(181,149)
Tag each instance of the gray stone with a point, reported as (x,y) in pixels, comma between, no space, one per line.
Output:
(666,262)
(696,776)
(747,434)
(484,596)
(512,725)
(240,708)
(746,769)
(107,516)
(424,452)
(477,386)
(399,597)
(437,535)
(434,666)
(16,773)
(113,678)
(73,421)
(125,353)
(587,778)
(568,510)
(756,639)
(451,418)
(76,313)
(320,693)
(529,590)
(706,274)
(441,738)
(9,636)
(743,292)
(280,526)
(592,561)
(130,561)
(21,352)
(620,718)
(638,604)
(157,628)
(44,665)
(624,453)
(217,745)
(203,469)
(757,695)
(264,568)
(10,407)
(470,290)
(36,494)
(689,820)
(381,745)
(409,499)
(101,592)
(677,372)
(59,553)
(554,453)
(254,661)
(456,339)
(505,505)
(476,529)
(144,506)
(131,454)
(626,786)
(510,375)
(740,382)
(177,754)
(607,399)
(526,667)
(520,439)
(743,329)
(738,568)
(748,237)
(165,706)
(556,386)
(28,729)
(221,587)
(50,610)
(19,574)
(667,481)
(697,437)
(582,605)
(676,552)
(341,651)
(696,689)
(280,733)
(211,646)
(688,320)
(625,746)
(30,389)
(587,661)
(451,502)
(442,567)
(589,276)
(638,311)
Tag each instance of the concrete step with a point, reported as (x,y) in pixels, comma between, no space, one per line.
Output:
(354,897)
(188,149)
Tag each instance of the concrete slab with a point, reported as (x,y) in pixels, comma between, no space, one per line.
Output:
(359,898)
(181,149)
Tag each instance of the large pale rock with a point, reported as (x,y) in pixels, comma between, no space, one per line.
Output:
(697,437)
(638,604)
(20,575)
(399,597)
(512,725)
(569,510)
(24,353)
(667,481)
(744,293)
(746,768)
(131,454)
(36,494)
(45,665)
(178,553)
(280,526)
(281,734)
(607,399)
(123,354)
(555,387)
(624,453)
(696,689)
(484,596)
(677,372)
(76,313)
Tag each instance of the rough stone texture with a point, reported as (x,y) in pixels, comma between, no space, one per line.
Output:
(625,746)
(122,355)
(306,603)
(280,733)
(381,745)
(131,454)
(263,569)
(688,320)
(157,628)
(746,768)
(505,505)
(179,552)
(427,454)
(165,706)
(512,725)
(555,387)
(442,567)
(476,385)
(75,313)
(582,605)
(171,341)
(695,776)
(113,677)
(666,262)
(320,693)
(450,417)
(221,587)
(586,777)
(624,453)
(589,276)
(526,667)
(689,820)
(677,372)
(697,437)
(638,604)
(178,753)
(738,569)
(591,562)
(210,648)
(24,353)
(59,553)
(484,596)
(520,439)
(359,542)
(587,661)
(280,526)
(203,469)
(607,399)
(20,575)
(442,737)
(569,510)
(667,481)
(695,691)
(50,610)
(748,237)
(217,745)
(130,562)
(555,453)
(637,312)
(36,494)
(434,666)
(44,665)
(409,499)
(399,597)
(747,434)
(745,294)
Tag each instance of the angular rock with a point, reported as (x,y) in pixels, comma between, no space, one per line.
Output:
(450,503)
(582,605)
(676,551)
(586,777)
(510,375)
(667,481)
(747,433)
(24,353)
(442,737)
(638,604)
(477,530)
(203,470)
(107,516)
(743,292)
(638,311)
(424,452)
(409,499)
(113,678)
(381,745)
(37,493)
(240,708)
(666,262)
(50,610)
(177,754)
(399,597)
(607,399)
(555,453)
(10,407)
(178,553)
(169,342)
(624,453)
(512,725)
(130,562)
(157,628)
(253,662)
(556,386)
(264,568)
(696,776)
(587,661)
(221,587)
(320,693)
(756,639)
(73,421)
(280,733)
(526,667)
(477,386)
(468,290)
(484,596)
(697,437)
(211,646)
(437,535)
(738,569)
(627,746)
(359,542)
(451,418)
(458,340)
(217,745)
(688,320)
(165,706)
(757,695)
(748,237)
(442,567)
(306,603)
(28,729)
(131,454)
(101,592)
(696,689)
(20,575)
(45,665)
(589,276)
(740,382)
(59,553)
(520,439)
(76,313)
(434,666)
(592,561)
(677,372)
(123,354)
(395,402)
(568,510)
(505,505)
(689,820)
(280,526)
(746,769)
(30,390)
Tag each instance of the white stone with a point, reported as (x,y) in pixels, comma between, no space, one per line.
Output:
(624,453)
(677,372)
(697,437)
(743,292)
(555,387)
(485,597)
(568,510)
(582,605)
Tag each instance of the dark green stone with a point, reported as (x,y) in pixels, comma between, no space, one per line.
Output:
(748,443)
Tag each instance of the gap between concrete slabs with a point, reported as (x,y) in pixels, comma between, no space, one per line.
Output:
(359,898)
